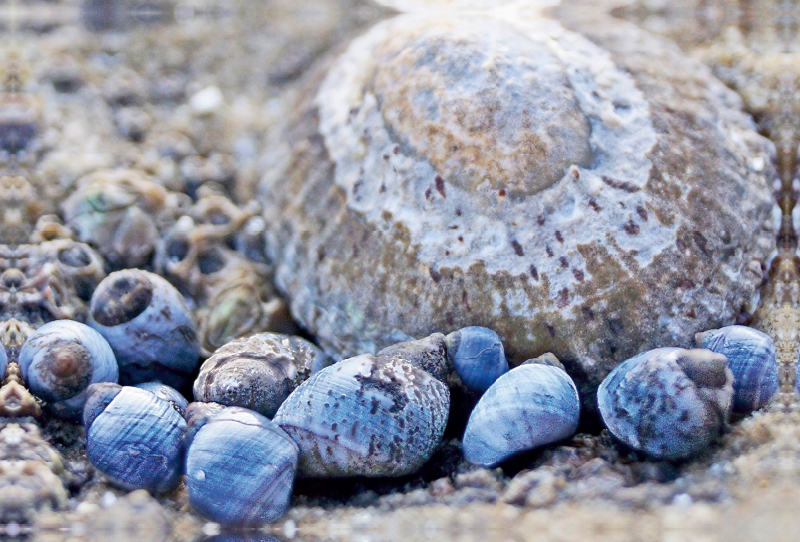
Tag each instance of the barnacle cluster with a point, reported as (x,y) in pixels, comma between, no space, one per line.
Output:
(465,237)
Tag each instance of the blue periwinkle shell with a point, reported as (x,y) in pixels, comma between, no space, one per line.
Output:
(752,359)
(148,325)
(61,359)
(240,466)
(366,416)
(477,355)
(134,437)
(669,402)
(528,407)
(167,393)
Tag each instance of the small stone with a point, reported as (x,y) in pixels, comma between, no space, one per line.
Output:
(206,101)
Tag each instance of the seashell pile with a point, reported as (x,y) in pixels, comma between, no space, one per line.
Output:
(448,247)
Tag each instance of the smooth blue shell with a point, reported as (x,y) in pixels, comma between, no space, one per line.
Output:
(240,468)
(528,407)
(669,402)
(167,393)
(366,416)
(148,325)
(477,355)
(752,359)
(61,359)
(134,437)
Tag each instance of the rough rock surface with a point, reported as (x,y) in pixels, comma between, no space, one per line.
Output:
(588,197)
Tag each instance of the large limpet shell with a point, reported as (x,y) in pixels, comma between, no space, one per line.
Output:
(509,173)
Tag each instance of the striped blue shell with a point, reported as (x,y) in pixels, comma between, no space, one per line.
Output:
(528,407)
(366,416)
(240,468)
(134,437)
(752,359)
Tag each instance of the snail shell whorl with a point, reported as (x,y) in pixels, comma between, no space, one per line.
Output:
(366,416)
(515,175)
(530,406)
(669,402)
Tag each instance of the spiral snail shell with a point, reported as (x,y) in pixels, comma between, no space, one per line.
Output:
(61,359)
(669,402)
(240,466)
(134,437)
(366,416)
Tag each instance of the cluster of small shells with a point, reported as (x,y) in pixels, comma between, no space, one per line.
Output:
(554,209)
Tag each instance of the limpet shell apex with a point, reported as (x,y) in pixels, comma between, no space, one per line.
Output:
(510,173)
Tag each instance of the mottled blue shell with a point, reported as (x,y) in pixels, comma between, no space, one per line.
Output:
(670,403)
(366,416)
(528,407)
(167,393)
(134,437)
(240,468)
(61,359)
(148,325)
(478,356)
(752,359)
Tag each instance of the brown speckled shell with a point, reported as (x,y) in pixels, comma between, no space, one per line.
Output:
(378,236)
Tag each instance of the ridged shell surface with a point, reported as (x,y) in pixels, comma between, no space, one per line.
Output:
(509,173)
(61,359)
(167,393)
(752,359)
(528,407)
(258,372)
(428,354)
(366,417)
(137,441)
(669,402)
(240,468)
